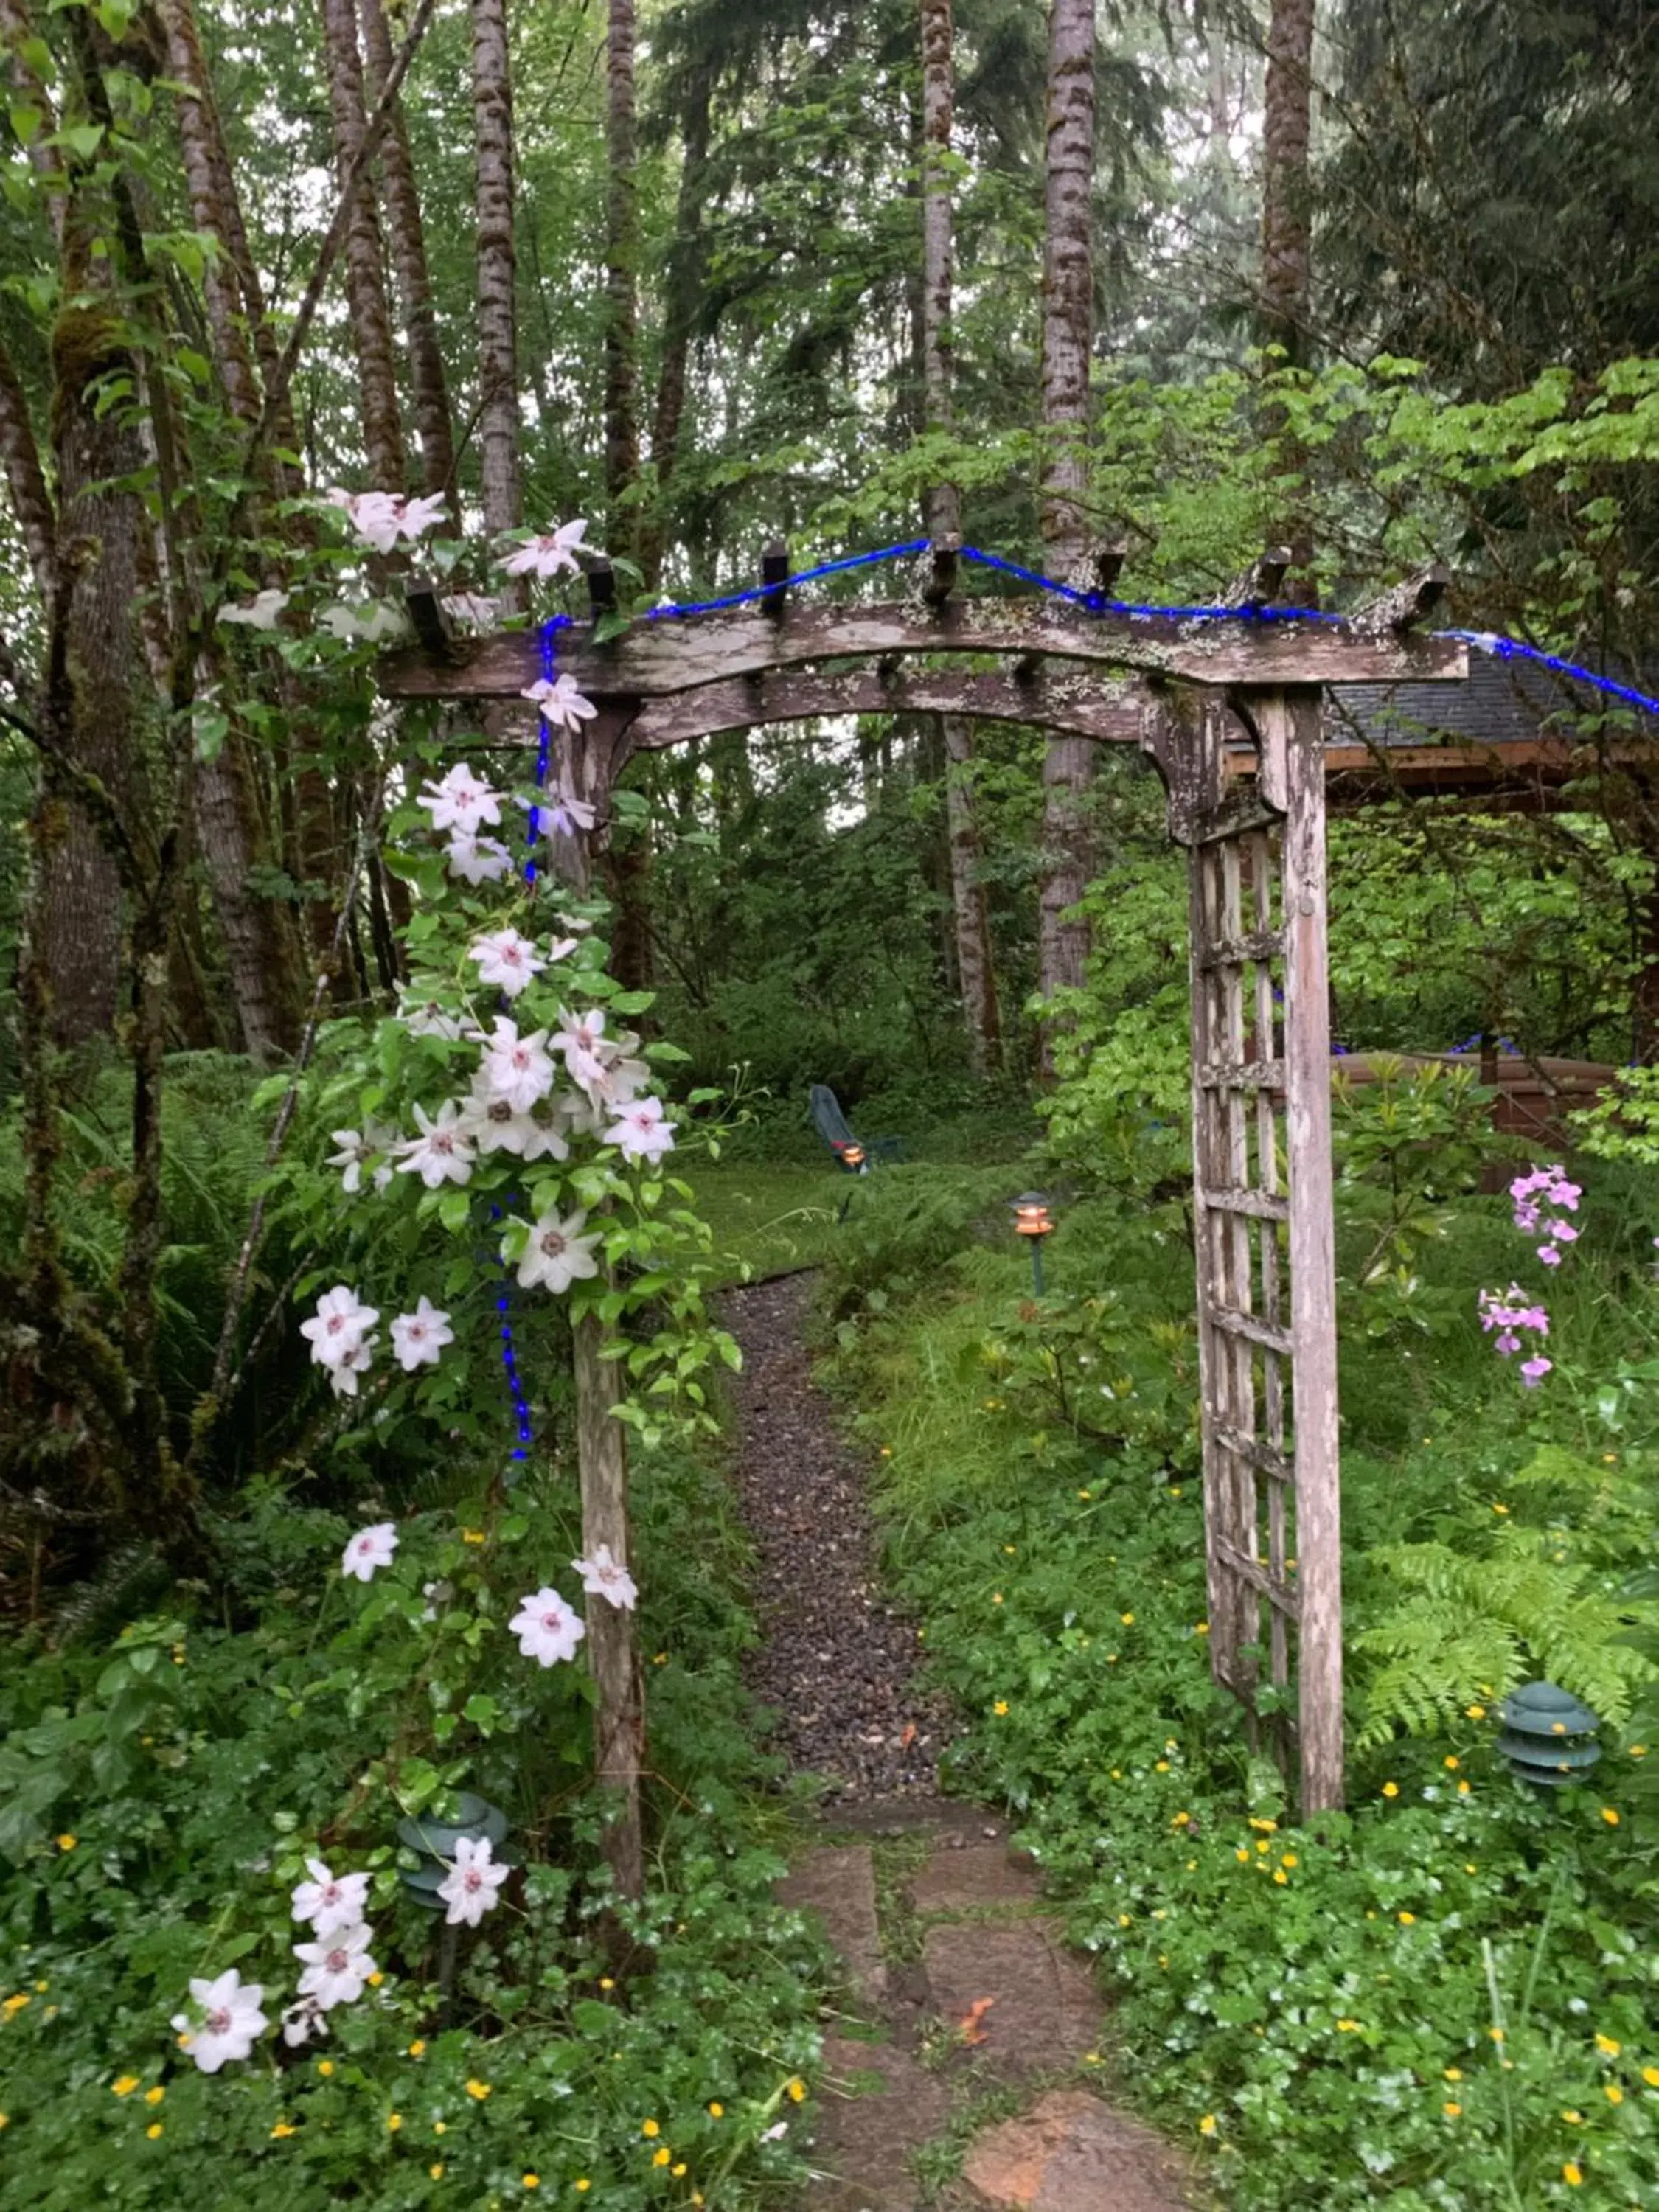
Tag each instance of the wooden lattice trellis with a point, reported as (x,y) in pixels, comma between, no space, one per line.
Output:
(1231,712)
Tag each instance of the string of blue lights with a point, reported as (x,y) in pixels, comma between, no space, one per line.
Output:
(1097,603)
(549,645)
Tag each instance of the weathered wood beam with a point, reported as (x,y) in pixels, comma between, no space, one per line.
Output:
(774,575)
(941,583)
(433,627)
(1260,584)
(662,659)
(601,590)
(1081,705)
(1408,604)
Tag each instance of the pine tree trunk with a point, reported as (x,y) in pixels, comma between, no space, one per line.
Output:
(101,530)
(406,233)
(262,940)
(501,482)
(622,430)
(977,976)
(687,265)
(364,259)
(942,505)
(1067,337)
(1286,195)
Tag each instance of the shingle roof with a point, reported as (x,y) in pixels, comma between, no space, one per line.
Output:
(1503,702)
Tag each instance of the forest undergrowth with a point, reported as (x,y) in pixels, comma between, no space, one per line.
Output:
(1443,1996)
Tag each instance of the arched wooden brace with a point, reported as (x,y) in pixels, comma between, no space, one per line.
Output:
(1191,694)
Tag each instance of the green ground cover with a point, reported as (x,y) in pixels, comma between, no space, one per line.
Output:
(1445,1996)
(162,1788)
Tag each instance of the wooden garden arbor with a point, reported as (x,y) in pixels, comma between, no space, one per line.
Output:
(1230,711)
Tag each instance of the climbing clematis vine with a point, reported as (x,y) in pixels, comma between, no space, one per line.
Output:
(553,553)
(604,1576)
(369,1550)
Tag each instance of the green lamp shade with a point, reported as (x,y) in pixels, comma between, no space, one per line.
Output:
(1548,1737)
(432,1842)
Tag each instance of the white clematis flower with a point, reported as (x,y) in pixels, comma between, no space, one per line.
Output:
(552,555)
(262,611)
(231,2020)
(357,1148)
(374,621)
(461,801)
(337,1966)
(442,1152)
(342,1379)
(329,1901)
(516,1068)
(418,1338)
(477,860)
(508,960)
(302,2020)
(640,1131)
(561,703)
(495,1127)
(547,1628)
(557,1254)
(604,1576)
(472,1885)
(338,1327)
(369,1548)
(381,518)
(476,608)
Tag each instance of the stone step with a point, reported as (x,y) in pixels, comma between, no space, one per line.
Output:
(1070,2153)
(838,1883)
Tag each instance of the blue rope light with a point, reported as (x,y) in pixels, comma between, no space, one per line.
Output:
(1511,649)
(1096,602)
(550,629)
(549,641)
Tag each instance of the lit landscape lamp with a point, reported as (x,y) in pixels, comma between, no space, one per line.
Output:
(1033,1221)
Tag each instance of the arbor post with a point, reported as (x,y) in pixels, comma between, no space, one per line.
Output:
(612,1639)
(1292,723)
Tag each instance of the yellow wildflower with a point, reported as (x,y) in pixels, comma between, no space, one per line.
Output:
(1475,1712)
(660,2157)
(1613,2093)
(393,2122)
(1207,2126)
(717,2111)
(796,2089)
(283,2127)
(154,2130)
(1408,1920)
(125,2084)
(531,2180)
(155,2096)
(1608,2046)
(436,2170)
(325,2067)
(1127,1619)
(15,2004)
(1572,2173)
(472,1535)
(1001,1708)
(1650,2075)
(1452,2112)
(1391,1789)
(1610,1816)
(67,1843)
(478,2090)
(417,2048)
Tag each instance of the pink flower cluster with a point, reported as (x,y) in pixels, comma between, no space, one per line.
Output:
(1508,1313)
(1546,1190)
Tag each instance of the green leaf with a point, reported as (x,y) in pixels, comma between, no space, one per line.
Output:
(81,138)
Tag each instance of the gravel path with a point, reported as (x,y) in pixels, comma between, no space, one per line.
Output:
(836,1665)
